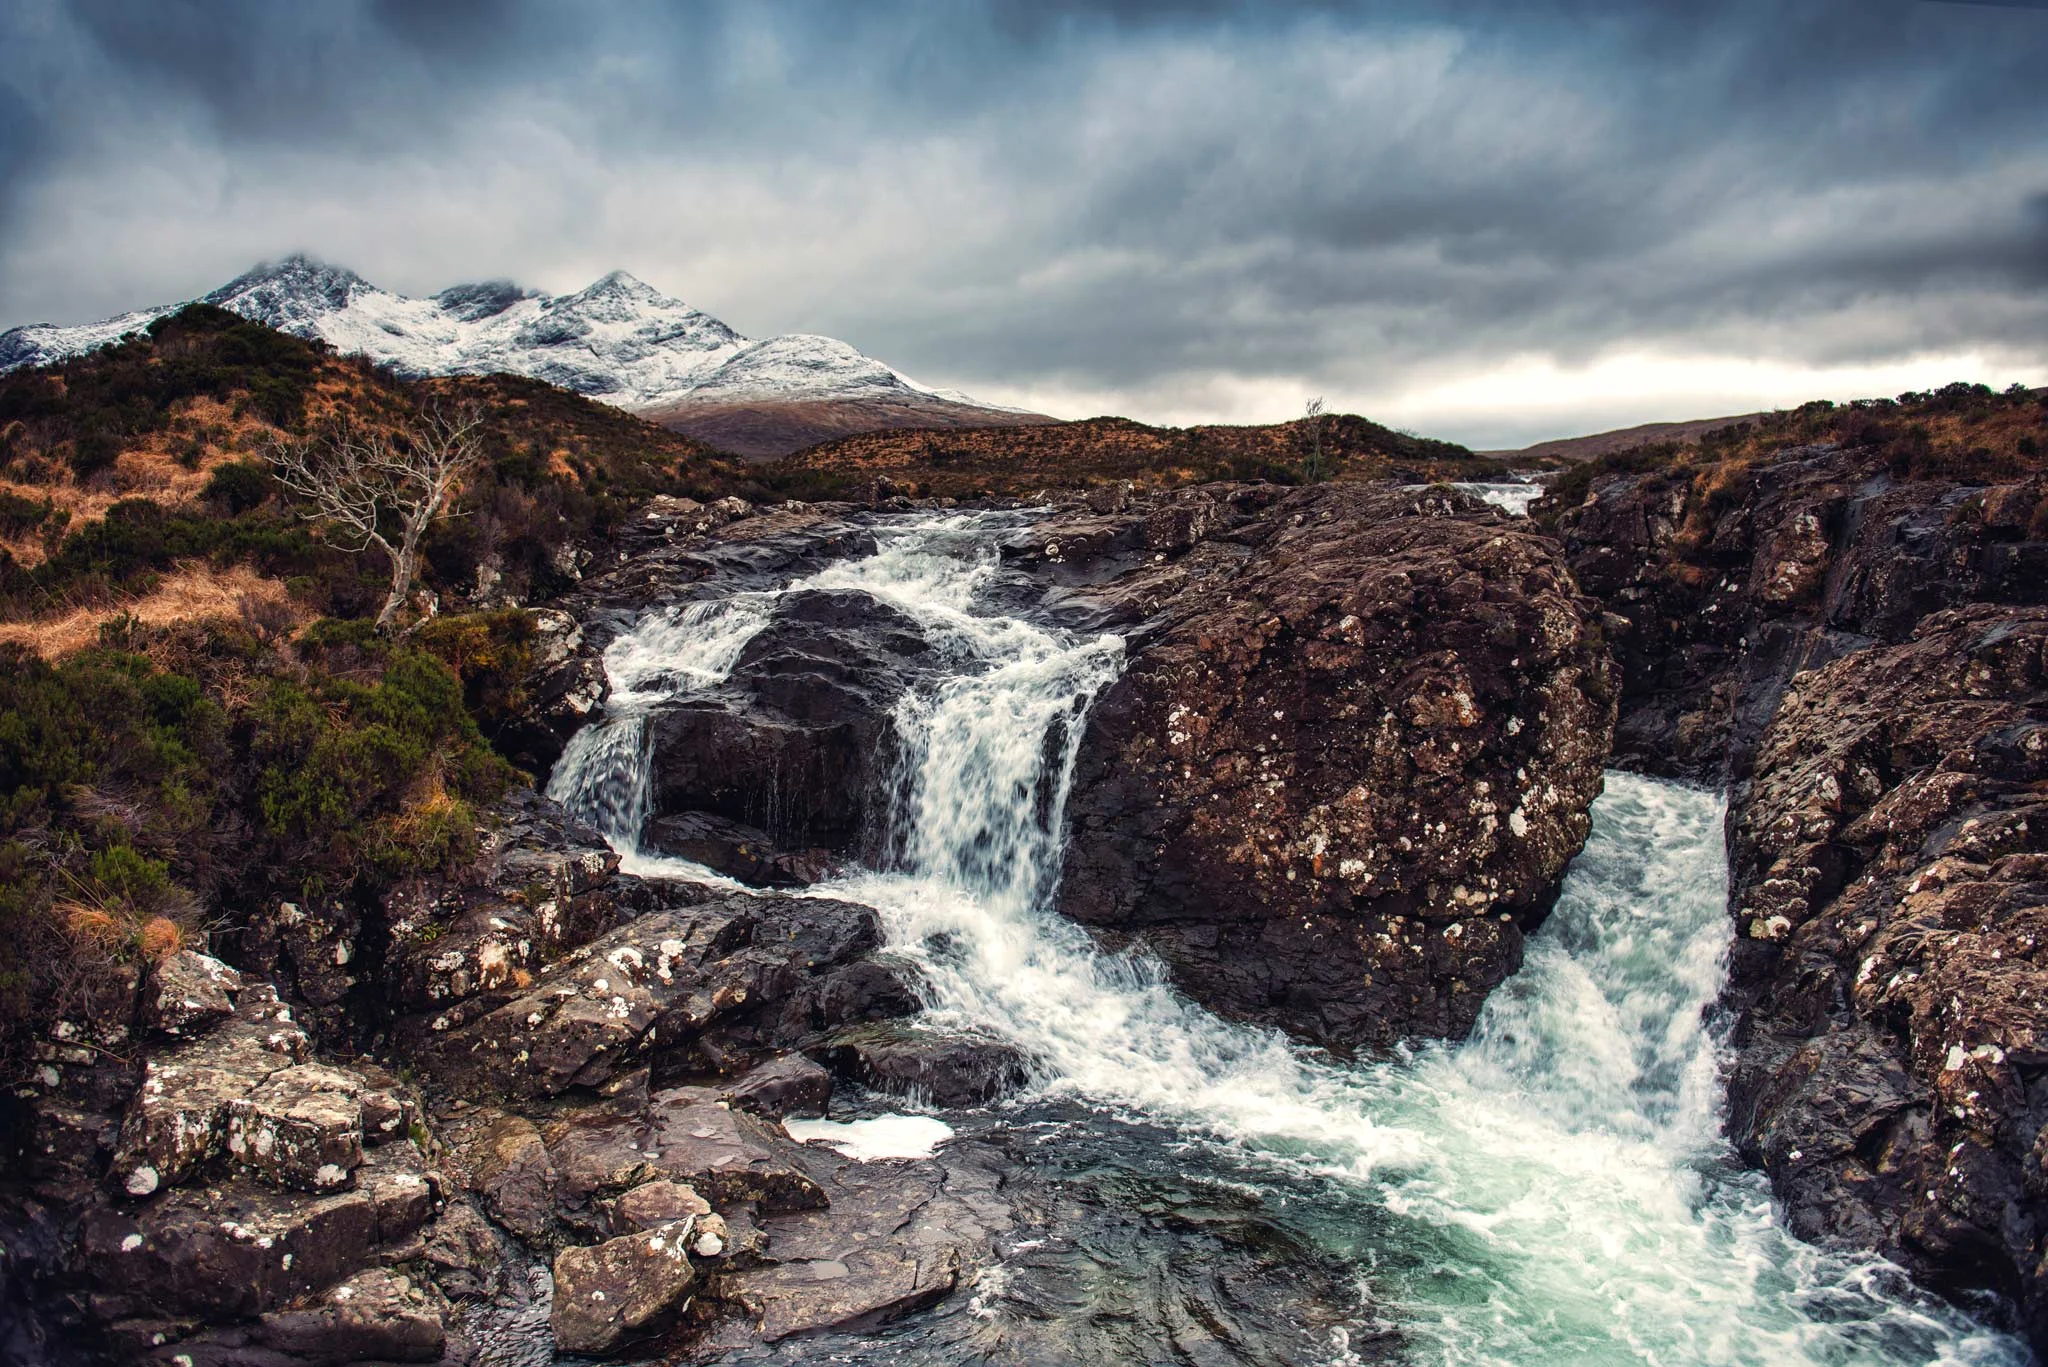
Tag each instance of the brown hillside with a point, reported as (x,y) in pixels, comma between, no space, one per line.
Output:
(764,431)
(1622,439)
(1962,432)
(1020,459)
(145,460)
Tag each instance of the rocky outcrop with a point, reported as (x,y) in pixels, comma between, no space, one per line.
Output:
(1726,580)
(1349,761)
(375,1316)
(682,1195)
(799,741)
(239,1198)
(541,884)
(711,983)
(1890,867)
(245,1204)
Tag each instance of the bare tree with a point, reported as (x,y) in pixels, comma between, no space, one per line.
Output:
(383,489)
(1313,416)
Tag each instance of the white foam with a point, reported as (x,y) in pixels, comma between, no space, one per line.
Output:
(882,1136)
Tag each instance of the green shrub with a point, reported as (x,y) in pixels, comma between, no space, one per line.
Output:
(348,770)
(238,486)
(133,806)
(492,654)
(19,516)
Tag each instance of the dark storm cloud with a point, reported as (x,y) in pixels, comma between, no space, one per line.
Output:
(1141,200)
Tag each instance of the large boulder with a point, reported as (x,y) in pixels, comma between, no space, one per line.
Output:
(798,741)
(1346,771)
(622,1289)
(1890,887)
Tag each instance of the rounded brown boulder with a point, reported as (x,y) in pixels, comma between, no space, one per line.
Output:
(1338,784)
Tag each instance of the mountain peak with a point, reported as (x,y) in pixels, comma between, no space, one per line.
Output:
(625,286)
(282,293)
(618,339)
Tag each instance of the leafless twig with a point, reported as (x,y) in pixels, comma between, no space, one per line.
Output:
(372,488)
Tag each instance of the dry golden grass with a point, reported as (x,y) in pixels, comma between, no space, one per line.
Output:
(150,468)
(159,938)
(189,593)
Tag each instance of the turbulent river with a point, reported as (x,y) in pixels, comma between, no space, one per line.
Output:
(1555,1189)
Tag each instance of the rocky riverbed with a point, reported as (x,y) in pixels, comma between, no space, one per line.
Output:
(1040,821)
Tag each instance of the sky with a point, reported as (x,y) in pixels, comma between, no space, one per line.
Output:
(1496,222)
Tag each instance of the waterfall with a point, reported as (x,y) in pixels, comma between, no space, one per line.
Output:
(1554,1190)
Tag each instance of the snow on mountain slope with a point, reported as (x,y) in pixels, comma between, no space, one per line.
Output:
(800,366)
(619,340)
(46,343)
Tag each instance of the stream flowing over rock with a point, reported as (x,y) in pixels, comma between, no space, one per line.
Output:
(759,1035)
(1860,658)
(1347,766)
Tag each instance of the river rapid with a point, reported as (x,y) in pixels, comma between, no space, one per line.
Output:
(1553,1190)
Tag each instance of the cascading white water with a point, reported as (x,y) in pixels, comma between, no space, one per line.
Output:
(603,774)
(1554,1190)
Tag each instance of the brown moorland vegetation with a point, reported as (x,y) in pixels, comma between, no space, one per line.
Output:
(1010,461)
(1965,432)
(117,466)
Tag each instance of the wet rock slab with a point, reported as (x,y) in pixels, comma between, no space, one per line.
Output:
(931,1067)
(897,1236)
(660,981)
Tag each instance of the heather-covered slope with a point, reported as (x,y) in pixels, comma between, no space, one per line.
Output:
(120,466)
(1022,459)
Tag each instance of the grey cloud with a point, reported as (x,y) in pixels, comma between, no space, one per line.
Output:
(1115,197)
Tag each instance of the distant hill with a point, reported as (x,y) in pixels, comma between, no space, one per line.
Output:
(1962,432)
(1022,458)
(1620,439)
(618,341)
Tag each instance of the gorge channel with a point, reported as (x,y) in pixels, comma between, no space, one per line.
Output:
(1554,1189)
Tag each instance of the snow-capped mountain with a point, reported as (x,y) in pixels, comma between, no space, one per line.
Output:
(619,341)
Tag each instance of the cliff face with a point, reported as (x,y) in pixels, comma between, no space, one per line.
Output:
(1852,643)
(1730,589)
(1890,860)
